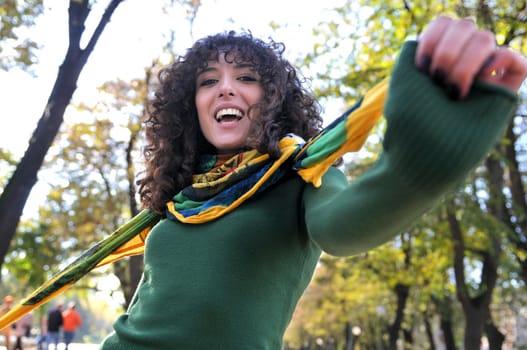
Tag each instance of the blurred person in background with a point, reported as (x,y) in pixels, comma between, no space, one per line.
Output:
(71,322)
(23,329)
(6,306)
(55,322)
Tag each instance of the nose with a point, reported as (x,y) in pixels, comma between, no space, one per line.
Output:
(226,88)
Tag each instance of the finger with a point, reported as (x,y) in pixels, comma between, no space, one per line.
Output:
(507,68)
(450,47)
(460,73)
(428,40)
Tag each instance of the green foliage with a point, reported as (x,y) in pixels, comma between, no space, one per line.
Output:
(355,50)
(33,257)
(89,194)
(91,180)
(7,166)
(14,16)
(88,198)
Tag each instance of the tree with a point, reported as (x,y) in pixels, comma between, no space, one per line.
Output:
(476,298)
(129,98)
(33,256)
(92,193)
(16,192)
(509,27)
(495,210)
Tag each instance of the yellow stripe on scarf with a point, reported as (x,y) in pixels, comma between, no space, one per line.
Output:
(287,145)
(128,239)
(358,125)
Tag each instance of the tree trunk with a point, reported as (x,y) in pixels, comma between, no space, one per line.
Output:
(474,317)
(18,188)
(128,271)
(496,338)
(444,307)
(408,339)
(136,271)
(402,292)
(448,334)
(131,276)
(518,237)
(474,308)
(348,336)
(429,332)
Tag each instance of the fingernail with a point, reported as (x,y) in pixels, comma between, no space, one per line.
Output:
(424,64)
(488,62)
(453,92)
(439,76)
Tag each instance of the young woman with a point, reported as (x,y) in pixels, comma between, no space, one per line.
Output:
(218,125)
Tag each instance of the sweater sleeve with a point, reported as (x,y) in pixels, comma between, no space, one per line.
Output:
(430,145)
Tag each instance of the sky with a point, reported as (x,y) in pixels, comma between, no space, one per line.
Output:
(131,40)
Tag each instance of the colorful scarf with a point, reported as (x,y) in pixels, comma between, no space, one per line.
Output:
(217,190)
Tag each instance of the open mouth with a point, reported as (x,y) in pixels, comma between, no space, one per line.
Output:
(228,114)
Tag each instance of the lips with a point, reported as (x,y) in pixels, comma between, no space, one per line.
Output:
(228,114)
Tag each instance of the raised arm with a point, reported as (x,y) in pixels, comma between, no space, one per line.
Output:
(435,136)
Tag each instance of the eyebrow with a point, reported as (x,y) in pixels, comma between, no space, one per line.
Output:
(236,66)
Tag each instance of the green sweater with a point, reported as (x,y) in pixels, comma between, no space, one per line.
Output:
(233,283)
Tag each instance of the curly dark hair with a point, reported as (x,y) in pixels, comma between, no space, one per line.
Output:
(173,136)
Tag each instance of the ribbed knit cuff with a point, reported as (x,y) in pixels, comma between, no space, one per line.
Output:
(433,140)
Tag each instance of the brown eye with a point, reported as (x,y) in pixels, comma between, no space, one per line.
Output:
(207,82)
(247,78)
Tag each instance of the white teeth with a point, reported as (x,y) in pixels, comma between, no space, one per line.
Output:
(228,112)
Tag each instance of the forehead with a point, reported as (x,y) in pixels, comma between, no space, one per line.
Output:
(233,59)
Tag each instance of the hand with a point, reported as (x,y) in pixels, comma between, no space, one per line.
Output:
(455,53)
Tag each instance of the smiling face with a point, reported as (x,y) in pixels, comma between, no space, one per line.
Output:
(225,91)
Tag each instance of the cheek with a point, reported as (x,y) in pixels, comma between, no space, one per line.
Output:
(204,125)
(257,103)
(199,101)
(258,95)
(201,108)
